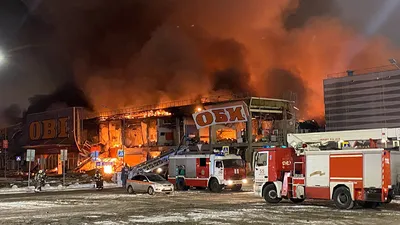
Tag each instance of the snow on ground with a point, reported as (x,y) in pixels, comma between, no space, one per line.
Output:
(115,206)
(15,190)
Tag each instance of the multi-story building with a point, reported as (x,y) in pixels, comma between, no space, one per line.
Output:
(363,99)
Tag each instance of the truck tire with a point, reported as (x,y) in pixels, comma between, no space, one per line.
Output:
(270,194)
(297,200)
(369,205)
(237,187)
(215,186)
(342,198)
(130,190)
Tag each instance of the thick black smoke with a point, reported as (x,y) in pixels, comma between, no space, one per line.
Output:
(285,84)
(138,51)
(307,10)
(67,95)
(12,114)
(133,52)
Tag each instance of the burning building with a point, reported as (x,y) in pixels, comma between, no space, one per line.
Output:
(96,139)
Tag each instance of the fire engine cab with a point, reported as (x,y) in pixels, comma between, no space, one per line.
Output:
(213,171)
(361,167)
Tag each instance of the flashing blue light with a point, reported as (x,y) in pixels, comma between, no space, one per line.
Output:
(283,146)
(267,146)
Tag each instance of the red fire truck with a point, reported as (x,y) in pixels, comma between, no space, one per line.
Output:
(347,175)
(213,171)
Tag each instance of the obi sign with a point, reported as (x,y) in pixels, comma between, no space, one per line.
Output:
(48,129)
(233,113)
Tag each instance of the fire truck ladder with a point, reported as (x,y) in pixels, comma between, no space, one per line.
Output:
(314,141)
(157,162)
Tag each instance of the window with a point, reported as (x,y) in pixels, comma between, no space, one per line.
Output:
(218,164)
(142,178)
(233,163)
(262,159)
(136,177)
(155,177)
(203,162)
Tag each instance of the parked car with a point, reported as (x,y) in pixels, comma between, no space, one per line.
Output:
(150,183)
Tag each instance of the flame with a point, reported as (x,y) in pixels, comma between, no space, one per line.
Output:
(108,169)
(150,113)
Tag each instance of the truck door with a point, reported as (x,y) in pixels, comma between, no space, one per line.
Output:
(261,167)
(219,170)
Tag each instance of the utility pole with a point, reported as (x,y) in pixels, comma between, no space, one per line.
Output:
(5,147)
(123,140)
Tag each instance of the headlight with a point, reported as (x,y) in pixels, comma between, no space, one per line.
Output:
(244,181)
(159,170)
(230,182)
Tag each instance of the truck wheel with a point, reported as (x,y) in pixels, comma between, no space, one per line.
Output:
(342,198)
(369,205)
(297,200)
(130,190)
(237,187)
(270,194)
(215,186)
(150,191)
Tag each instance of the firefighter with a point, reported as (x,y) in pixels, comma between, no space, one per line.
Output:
(124,175)
(98,178)
(40,179)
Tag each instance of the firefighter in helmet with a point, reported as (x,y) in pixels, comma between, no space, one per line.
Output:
(98,178)
(40,179)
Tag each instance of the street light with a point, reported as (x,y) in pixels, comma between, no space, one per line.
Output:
(2,57)
(4,54)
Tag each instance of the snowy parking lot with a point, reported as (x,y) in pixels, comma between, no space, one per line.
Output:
(114,206)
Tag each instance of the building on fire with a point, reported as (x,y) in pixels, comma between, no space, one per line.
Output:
(144,132)
(364,99)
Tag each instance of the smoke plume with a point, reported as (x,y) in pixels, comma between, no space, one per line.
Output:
(139,52)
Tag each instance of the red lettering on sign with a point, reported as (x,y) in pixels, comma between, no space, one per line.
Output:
(223,115)
(220,115)
(235,114)
(204,118)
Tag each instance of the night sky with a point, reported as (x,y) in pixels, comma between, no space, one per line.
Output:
(97,51)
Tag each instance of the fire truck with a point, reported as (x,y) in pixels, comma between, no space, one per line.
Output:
(349,167)
(214,171)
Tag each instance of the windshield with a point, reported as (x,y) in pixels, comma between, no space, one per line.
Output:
(155,177)
(233,163)
(262,159)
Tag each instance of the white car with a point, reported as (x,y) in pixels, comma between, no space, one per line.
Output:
(150,183)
